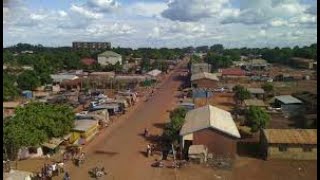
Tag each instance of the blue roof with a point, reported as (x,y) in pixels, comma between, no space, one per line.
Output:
(201,93)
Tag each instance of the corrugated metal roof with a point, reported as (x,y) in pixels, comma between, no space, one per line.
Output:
(291,136)
(109,54)
(256,90)
(254,102)
(209,116)
(205,75)
(288,99)
(154,72)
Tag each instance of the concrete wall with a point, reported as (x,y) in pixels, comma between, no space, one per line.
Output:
(110,60)
(293,152)
(205,83)
(218,143)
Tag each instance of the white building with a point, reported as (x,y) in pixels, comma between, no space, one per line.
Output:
(109,57)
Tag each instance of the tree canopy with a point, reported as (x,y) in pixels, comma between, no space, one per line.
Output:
(241,93)
(10,91)
(257,118)
(172,129)
(36,123)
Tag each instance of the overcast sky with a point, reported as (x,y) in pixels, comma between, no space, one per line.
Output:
(162,23)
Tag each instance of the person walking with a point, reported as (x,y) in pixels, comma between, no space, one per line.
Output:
(66,176)
(148,150)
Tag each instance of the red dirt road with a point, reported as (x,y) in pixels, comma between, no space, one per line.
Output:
(121,151)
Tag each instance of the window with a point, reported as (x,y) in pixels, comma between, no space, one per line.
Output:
(283,148)
(307,149)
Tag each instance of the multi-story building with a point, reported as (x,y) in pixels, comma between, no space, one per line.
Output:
(91,45)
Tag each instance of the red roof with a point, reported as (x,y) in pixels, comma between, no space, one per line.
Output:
(233,72)
(88,61)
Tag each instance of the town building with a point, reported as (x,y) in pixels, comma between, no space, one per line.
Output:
(256,65)
(204,80)
(83,131)
(200,67)
(298,144)
(303,63)
(289,104)
(59,78)
(256,93)
(91,45)
(255,103)
(211,127)
(109,58)
(154,74)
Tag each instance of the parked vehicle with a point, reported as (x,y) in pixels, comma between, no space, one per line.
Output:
(219,89)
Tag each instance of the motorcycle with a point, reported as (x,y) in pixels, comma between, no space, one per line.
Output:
(97,172)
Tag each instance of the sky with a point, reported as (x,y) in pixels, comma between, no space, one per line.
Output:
(161,23)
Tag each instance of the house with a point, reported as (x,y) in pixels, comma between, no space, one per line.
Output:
(255,103)
(58,78)
(303,63)
(110,74)
(309,100)
(297,144)
(256,65)
(211,127)
(109,57)
(201,93)
(154,74)
(232,72)
(88,61)
(204,80)
(200,67)
(83,131)
(289,104)
(52,146)
(256,92)
(130,78)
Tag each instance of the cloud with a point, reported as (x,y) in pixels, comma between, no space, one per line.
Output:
(151,9)
(85,12)
(110,29)
(264,11)
(193,10)
(103,5)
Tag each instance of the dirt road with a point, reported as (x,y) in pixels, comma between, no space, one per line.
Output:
(121,151)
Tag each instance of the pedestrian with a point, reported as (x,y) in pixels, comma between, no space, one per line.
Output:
(66,176)
(54,169)
(148,150)
(61,167)
(152,149)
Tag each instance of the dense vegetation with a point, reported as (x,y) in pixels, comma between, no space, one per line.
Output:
(34,124)
(257,118)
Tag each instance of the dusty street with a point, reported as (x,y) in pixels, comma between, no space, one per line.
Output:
(121,151)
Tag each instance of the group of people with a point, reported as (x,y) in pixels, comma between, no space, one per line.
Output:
(150,149)
(50,170)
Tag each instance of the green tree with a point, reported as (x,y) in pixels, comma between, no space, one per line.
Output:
(241,94)
(10,91)
(28,80)
(268,87)
(172,129)
(257,118)
(34,124)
